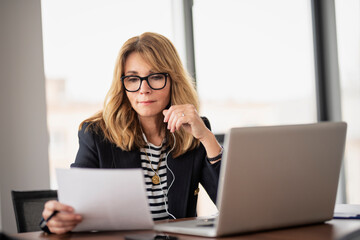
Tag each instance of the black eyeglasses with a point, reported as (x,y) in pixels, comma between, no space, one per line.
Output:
(156,81)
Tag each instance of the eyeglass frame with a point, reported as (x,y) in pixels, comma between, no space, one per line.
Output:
(146,78)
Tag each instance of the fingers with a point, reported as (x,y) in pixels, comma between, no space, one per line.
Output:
(53,205)
(179,116)
(66,218)
(175,120)
(64,221)
(60,230)
(178,110)
(179,123)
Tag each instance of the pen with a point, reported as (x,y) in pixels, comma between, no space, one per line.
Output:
(43,223)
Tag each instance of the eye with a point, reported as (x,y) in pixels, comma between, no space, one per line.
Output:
(132,79)
(157,77)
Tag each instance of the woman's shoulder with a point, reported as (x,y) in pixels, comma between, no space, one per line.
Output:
(91,129)
(88,127)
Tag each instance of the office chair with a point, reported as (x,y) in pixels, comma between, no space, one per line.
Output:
(28,207)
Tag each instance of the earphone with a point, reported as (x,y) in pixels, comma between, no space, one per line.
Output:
(172,173)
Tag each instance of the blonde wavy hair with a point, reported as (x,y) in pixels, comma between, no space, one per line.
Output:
(118,121)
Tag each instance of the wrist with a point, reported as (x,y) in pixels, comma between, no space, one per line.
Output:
(217,157)
(207,138)
(213,148)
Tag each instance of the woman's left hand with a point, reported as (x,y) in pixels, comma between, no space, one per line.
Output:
(187,117)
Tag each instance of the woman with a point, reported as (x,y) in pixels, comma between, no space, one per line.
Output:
(150,121)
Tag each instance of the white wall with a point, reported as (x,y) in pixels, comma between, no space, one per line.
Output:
(23,131)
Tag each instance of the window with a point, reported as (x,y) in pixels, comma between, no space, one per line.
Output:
(254,62)
(348,25)
(81,41)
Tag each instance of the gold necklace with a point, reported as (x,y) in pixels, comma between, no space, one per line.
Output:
(155,179)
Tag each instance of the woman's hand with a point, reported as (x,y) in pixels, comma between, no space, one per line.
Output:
(64,221)
(186,116)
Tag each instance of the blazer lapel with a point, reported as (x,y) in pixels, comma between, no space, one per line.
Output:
(179,192)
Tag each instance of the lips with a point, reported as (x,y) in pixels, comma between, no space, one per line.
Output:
(147,102)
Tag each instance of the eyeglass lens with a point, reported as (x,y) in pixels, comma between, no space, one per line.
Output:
(156,81)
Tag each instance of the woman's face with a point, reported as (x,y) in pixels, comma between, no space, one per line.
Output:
(146,101)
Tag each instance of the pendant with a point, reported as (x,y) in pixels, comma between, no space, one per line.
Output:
(155,179)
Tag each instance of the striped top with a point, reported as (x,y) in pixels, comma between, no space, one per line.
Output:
(155,192)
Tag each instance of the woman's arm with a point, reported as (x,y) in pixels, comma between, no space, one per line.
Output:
(87,155)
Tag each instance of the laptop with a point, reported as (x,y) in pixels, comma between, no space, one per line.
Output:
(273,177)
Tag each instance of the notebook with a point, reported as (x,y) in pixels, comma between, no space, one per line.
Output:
(273,177)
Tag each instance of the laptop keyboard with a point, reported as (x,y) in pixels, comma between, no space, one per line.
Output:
(205,222)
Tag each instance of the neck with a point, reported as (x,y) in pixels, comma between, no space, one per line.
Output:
(153,128)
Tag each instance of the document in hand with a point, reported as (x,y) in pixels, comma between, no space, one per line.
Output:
(108,199)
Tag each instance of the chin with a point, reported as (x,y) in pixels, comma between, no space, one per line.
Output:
(148,114)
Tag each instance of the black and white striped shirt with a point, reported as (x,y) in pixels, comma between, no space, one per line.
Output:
(155,193)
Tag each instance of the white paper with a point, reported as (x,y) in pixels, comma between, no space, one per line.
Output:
(107,199)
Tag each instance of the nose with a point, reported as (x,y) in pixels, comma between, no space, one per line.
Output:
(144,88)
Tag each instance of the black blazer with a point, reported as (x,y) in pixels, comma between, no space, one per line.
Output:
(189,169)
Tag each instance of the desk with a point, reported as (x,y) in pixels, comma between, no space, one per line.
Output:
(333,229)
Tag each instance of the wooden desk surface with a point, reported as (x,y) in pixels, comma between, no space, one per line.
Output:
(333,229)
